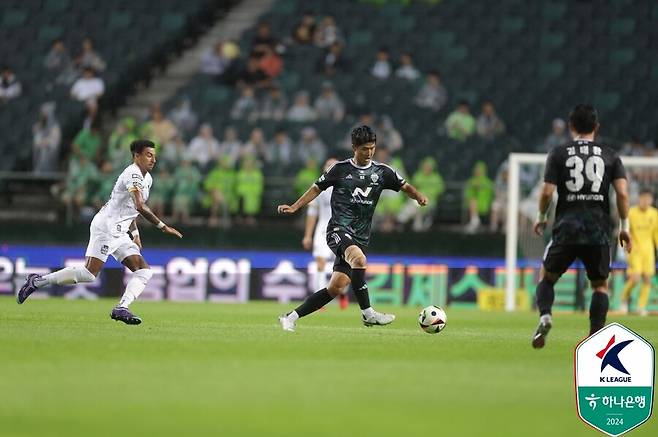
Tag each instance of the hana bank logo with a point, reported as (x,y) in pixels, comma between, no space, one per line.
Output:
(609,356)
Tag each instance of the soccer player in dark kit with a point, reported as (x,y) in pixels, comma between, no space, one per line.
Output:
(357,184)
(582,172)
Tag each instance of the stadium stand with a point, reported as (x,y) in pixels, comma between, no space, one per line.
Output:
(526,58)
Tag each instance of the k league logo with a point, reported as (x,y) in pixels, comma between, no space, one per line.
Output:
(614,372)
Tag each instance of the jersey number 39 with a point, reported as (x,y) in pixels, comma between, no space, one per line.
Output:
(594,169)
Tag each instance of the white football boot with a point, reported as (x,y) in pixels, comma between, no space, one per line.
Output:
(286,323)
(378,319)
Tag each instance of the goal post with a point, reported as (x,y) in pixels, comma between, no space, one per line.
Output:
(514,192)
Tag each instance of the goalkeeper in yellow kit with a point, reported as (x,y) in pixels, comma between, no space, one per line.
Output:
(643,220)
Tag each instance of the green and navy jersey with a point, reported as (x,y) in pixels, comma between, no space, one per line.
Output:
(356,191)
(583,172)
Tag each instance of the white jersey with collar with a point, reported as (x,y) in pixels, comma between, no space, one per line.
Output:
(120,211)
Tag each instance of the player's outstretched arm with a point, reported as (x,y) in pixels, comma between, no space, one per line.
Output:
(306,198)
(146,212)
(623,204)
(545,199)
(413,193)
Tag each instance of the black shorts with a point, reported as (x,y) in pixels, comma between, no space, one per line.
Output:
(338,242)
(596,259)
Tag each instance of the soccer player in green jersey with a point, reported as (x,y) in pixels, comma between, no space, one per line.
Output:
(357,184)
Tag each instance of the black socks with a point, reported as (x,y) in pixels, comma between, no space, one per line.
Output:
(314,302)
(545,297)
(360,288)
(598,310)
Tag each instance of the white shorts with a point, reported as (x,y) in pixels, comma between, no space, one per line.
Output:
(320,247)
(102,243)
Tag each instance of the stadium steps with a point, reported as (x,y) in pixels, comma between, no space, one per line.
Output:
(181,71)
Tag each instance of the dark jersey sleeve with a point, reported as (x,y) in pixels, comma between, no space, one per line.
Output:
(618,170)
(328,178)
(552,170)
(392,179)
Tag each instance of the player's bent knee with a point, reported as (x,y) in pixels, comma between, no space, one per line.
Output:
(550,277)
(600,285)
(84,275)
(144,275)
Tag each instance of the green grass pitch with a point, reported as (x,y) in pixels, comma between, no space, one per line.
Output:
(228,370)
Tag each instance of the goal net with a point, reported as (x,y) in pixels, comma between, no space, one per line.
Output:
(524,250)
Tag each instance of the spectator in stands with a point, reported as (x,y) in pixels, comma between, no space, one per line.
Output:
(252,75)
(303,33)
(219,186)
(162,192)
(460,124)
(499,205)
(280,150)
(301,111)
(388,136)
(161,129)
(432,94)
(231,146)
(306,176)
(557,137)
(173,152)
(88,89)
(245,107)
(256,147)
(311,146)
(390,203)
(118,146)
(328,106)
(333,60)
(88,142)
(81,177)
(634,147)
(381,69)
(183,117)
(479,196)
(328,33)
(59,64)
(249,188)
(274,105)
(89,58)
(104,186)
(271,62)
(214,61)
(407,70)
(10,87)
(263,40)
(47,136)
(204,148)
(429,181)
(187,179)
(489,125)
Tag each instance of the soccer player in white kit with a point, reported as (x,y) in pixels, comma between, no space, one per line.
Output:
(317,220)
(113,231)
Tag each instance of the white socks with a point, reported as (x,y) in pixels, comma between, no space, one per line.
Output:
(368,312)
(293,317)
(546,318)
(66,276)
(135,286)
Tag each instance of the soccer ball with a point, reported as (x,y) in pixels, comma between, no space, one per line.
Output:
(432,319)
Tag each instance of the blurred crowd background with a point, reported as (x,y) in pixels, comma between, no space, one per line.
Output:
(254,124)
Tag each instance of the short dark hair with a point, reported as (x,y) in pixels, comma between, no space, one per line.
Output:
(138,146)
(363,135)
(583,118)
(646,190)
